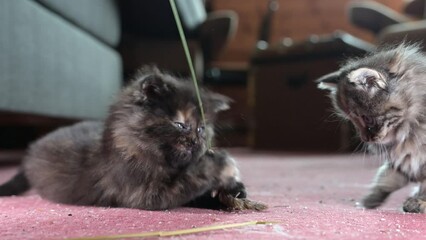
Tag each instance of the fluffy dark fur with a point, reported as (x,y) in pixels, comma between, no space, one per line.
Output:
(384,96)
(150,153)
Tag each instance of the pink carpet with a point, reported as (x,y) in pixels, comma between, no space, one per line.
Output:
(310,197)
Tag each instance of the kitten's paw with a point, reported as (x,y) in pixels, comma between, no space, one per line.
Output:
(414,205)
(237,190)
(231,203)
(374,199)
(234,198)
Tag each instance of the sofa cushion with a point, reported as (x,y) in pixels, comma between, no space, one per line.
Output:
(50,67)
(99,17)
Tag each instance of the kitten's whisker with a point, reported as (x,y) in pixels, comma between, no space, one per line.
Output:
(418,142)
(333,117)
(358,148)
(365,151)
(380,153)
(385,154)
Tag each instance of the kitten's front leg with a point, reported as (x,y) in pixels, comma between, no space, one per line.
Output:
(417,203)
(210,172)
(231,192)
(229,179)
(387,180)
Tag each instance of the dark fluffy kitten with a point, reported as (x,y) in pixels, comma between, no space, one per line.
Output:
(384,96)
(150,153)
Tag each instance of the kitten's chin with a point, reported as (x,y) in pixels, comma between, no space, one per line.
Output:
(182,157)
(387,139)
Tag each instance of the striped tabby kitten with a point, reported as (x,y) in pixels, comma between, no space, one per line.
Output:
(384,96)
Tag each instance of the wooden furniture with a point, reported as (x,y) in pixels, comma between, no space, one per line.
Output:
(288,112)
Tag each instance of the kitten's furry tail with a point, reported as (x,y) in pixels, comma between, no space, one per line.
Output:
(16,185)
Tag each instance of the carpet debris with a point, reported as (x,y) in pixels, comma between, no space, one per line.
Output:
(177,232)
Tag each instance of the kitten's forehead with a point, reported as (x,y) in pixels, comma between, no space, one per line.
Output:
(363,77)
(185,114)
(359,74)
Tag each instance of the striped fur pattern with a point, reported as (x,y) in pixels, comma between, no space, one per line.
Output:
(384,96)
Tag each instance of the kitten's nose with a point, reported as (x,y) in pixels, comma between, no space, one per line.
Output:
(372,131)
(191,142)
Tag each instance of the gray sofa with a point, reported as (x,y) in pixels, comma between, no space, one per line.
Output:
(58,57)
(63,58)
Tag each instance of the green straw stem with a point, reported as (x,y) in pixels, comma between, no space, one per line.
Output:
(188,58)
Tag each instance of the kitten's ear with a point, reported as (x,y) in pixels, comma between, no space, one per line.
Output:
(153,86)
(219,102)
(395,63)
(329,81)
(401,52)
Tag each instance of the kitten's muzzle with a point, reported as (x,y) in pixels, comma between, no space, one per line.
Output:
(370,129)
(372,132)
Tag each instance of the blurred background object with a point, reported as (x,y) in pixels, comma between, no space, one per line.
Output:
(151,36)
(288,111)
(390,26)
(58,64)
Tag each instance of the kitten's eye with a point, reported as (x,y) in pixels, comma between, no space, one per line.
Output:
(200,129)
(180,125)
(392,121)
(392,75)
(394,109)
